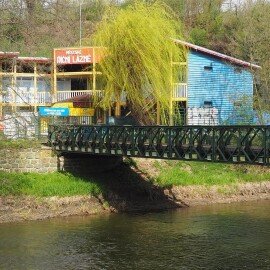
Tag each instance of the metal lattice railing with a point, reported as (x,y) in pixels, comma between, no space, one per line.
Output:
(232,144)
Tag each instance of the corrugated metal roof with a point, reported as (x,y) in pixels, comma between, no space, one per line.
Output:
(35,59)
(222,85)
(216,54)
(8,54)
(25,59)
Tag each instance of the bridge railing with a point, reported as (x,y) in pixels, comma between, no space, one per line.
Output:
(232,144)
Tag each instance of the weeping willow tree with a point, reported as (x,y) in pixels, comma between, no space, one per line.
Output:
(138,57)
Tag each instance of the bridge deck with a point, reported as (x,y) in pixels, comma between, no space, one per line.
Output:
(232,144)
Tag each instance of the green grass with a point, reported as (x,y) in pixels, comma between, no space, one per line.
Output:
(175,173)
(19,143)
(172,173)
(46,185)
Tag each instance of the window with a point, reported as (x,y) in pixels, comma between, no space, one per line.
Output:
(208,103)
(6,83)
(43,85)
(25,84)
(208,68)
(237,70)
(237,104)
(63,84)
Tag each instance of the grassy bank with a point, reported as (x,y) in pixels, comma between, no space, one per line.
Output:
(144,174)
(184,173)
(19,143)
(136,185)
(46,185)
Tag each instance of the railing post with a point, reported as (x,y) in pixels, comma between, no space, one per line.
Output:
(266,145)
(170,142)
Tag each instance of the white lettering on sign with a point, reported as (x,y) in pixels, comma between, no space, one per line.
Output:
(73,52)
(63,59)
(54,112)
(81,59)
(74,56)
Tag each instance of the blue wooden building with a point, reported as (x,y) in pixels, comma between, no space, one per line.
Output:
(219,87)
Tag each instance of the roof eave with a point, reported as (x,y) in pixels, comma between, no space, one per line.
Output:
(35,59)
(9,54)
(217,54)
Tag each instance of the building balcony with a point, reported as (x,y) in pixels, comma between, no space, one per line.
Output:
(25,98)
(67,94)
(179,91)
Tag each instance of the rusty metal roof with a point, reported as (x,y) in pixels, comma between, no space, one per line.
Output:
(8,54)
(35,59)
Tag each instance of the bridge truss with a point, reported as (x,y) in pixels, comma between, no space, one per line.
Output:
(231,144)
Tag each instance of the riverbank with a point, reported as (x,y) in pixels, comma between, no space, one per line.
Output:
(23,208)
(135,185)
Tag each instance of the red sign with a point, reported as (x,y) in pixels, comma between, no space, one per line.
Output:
(74,56)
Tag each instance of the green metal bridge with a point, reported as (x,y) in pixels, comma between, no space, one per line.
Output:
(231,144)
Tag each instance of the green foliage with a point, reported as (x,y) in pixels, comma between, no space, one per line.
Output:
(241,31)
(139,54)
(250,41)
(19,143)
(186,173)
(199,36)
(130,162)
(46,185)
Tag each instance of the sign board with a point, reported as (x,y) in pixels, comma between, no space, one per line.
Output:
(63,105)
(81,112)
(81,104)
(74,56)
(48,111)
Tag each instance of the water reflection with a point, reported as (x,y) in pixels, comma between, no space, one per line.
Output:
(233,236)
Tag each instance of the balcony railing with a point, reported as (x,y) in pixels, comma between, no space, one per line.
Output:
(44,98)
(26,98)
(63,95)
(41,98)
(179,90)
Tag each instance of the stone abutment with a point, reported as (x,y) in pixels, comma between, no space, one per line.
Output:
(44,160)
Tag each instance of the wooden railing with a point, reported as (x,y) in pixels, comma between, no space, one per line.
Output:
(24,97)
(63,95)
(179,90)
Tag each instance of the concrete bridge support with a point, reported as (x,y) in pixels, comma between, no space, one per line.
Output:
(44,160)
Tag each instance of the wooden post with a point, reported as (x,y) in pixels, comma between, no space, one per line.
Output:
(186,92)
(118,106)
(94,71)
(94,78)
(1,90)
(158,113)
(54,85)
(13,85)
(35,87)
(171,96)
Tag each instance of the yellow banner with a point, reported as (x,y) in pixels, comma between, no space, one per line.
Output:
(81,112)
(63,105)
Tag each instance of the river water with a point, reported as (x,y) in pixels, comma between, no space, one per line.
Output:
(230,236)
